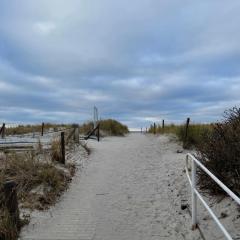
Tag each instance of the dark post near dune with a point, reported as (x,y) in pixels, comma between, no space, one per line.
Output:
(154,128)
(10,194)
(2,130)
(62,148)
(76,133)
(186,132)
(163,125)
(42,129)
(141,129)
(98,132)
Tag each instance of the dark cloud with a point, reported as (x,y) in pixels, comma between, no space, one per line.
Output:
(137,61)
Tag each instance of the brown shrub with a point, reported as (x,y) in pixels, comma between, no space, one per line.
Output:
(219,151)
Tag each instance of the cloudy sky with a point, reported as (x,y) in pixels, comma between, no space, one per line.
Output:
(138,61)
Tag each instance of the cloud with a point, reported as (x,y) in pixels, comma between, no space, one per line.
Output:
(44,27)
(137,61)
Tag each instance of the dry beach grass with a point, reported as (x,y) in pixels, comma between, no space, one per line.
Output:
(40,181)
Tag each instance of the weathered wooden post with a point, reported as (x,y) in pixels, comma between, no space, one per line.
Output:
(42,128)
(141,129)
(10,193)
(2,130)
(76,133)
(186,132)
(163,125)
(62,148)
(98,132)
(146,129)
(154,128)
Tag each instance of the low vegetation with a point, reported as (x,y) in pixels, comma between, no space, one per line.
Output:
(39,178)
(23,129)
(219,151)
(217,146)
(113,127)
(108,127)
(194,135)
(38,182)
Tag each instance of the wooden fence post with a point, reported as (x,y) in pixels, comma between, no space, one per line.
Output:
(141,129)
(163,125)
(98,132)
(3,130)
(186,132)
(10,193)
(154,128)
(62,148)
(76,133)
(42,128)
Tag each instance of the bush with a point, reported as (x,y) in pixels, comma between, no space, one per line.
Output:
(219,151)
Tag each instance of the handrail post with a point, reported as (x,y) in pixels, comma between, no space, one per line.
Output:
(194,196)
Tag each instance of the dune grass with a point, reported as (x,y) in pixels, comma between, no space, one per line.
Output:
(109,127)
(217,146)
(194,135)
(39,184)
(24,129)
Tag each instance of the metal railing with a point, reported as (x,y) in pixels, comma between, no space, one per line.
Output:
(196,194)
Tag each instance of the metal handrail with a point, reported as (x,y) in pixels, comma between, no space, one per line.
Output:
(196,194)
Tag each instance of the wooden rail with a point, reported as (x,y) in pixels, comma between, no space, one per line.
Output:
(94,132)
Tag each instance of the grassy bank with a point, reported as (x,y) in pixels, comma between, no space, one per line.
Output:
(195,133)
(220,153)
(39,179)
(23,129)
(108,127)
(217,147)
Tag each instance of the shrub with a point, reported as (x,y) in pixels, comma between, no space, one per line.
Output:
(219,151)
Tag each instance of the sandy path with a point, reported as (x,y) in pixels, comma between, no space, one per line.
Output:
(131,189)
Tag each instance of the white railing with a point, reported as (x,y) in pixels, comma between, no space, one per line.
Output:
(195,193)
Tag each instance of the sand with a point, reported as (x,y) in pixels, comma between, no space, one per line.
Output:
(131,188)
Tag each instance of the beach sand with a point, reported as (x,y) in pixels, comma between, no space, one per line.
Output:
(131,188)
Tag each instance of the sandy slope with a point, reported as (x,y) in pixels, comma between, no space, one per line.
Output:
(131,189)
